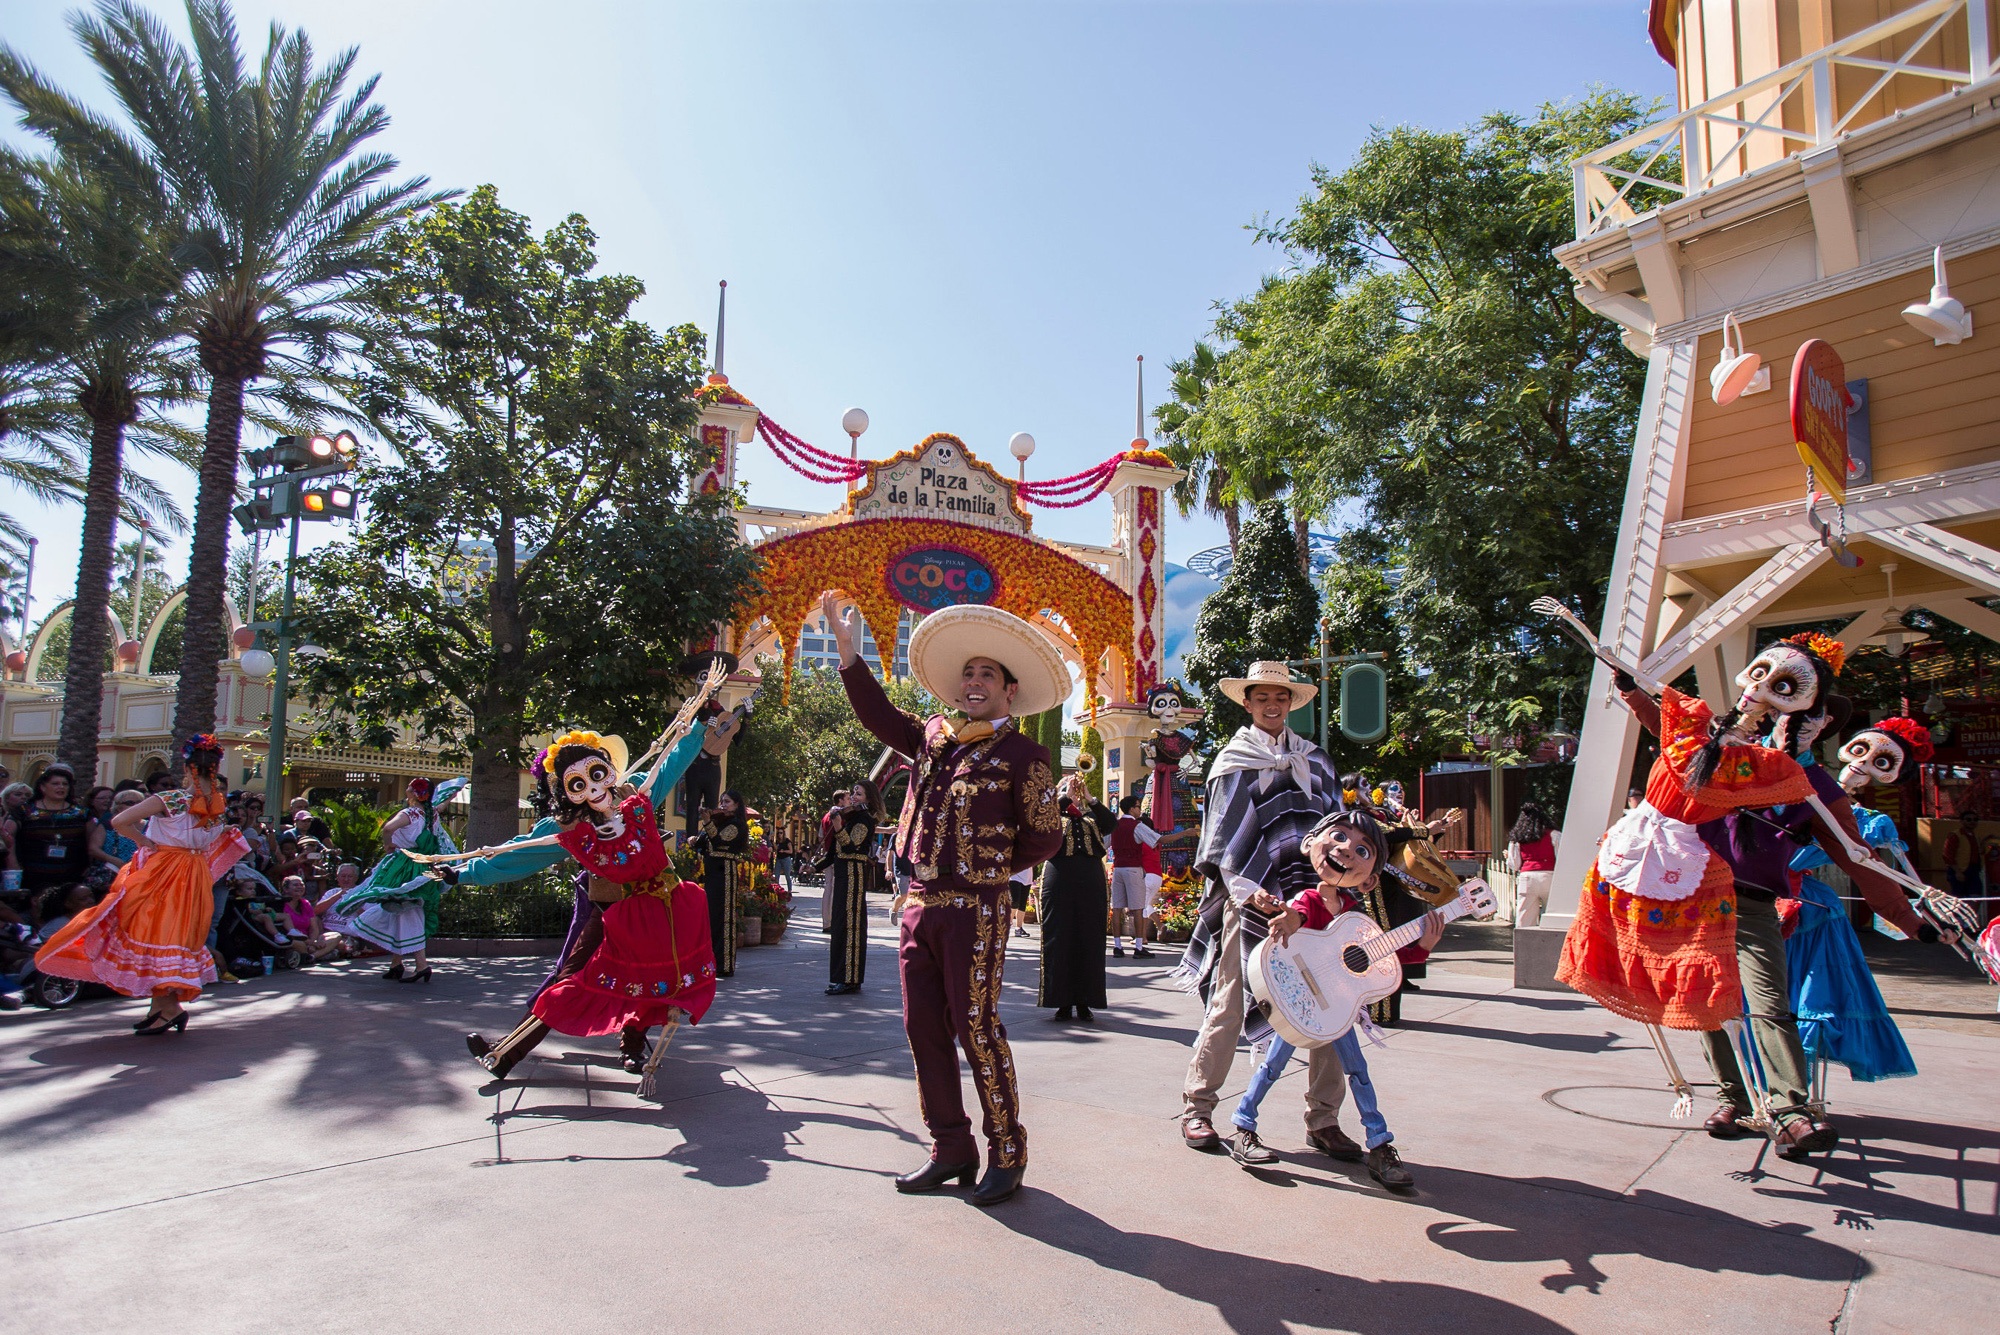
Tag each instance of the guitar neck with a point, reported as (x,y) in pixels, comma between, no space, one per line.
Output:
(1390,942)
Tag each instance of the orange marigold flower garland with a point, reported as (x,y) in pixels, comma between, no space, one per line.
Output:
(855,557)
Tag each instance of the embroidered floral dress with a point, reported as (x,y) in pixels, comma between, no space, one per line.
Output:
(1655,932)
(148,936)
(656,956)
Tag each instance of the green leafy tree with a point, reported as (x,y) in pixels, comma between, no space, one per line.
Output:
(532,558)
(802,746)
(281,210)
(1422,372)
(1265,609)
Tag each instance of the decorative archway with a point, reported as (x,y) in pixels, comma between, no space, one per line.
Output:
(50,623)
(885,565)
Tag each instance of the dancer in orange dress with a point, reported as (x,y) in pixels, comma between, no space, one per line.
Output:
(148,938)
(1654,938)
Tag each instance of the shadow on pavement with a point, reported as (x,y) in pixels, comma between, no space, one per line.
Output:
(733,1132)
(1604,1042)
(1509,1221)
(1258,1296)
(1872,1148)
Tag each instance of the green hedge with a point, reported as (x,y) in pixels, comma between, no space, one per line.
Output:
(539,906)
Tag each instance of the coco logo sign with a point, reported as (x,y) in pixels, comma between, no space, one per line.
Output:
(928,578)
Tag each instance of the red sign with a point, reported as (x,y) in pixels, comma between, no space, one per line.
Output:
(1819,415)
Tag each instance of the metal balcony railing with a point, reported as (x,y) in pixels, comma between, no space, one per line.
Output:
(1744,129)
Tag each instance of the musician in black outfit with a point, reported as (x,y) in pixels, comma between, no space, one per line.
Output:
(1074,906)
(850,871)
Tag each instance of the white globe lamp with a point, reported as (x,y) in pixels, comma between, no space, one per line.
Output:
(257,663)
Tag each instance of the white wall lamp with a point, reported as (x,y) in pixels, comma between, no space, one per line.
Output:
(1738,371)
(1943,318)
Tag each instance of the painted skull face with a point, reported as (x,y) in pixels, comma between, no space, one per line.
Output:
(1872,757)
(1781,680)
(1163,702)
(591,782)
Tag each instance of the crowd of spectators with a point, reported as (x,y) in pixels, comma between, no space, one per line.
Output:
(59,855)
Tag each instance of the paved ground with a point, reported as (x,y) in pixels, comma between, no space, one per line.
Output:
(318,1147)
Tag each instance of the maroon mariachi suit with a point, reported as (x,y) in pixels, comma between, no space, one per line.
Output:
(976,813)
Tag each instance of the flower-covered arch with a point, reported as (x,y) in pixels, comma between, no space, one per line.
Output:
(860,558)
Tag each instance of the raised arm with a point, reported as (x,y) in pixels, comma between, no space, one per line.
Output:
(657,785)
(890,725)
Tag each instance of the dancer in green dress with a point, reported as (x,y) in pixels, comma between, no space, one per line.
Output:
(396,908)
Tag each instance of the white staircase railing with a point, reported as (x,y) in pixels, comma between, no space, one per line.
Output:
(1718,140)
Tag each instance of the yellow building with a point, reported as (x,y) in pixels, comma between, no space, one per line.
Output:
(1823,153)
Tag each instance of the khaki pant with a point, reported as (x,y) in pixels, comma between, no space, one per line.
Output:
(1222,1030)
(1760,956)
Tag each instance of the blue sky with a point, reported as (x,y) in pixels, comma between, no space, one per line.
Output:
(961,217)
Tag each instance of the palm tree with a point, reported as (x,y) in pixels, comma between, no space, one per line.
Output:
(283,215)
(90,266)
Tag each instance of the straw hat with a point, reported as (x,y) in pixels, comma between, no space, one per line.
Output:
(1268,674)
(945,640)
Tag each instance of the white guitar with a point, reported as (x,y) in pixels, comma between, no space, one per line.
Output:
(1317,982)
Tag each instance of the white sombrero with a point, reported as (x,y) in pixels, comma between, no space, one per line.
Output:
(946,640)
(1268,674)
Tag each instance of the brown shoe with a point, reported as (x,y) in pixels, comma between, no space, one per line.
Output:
(1332,1141)
(1386,1167)
(1797,1138)
(1199,1134)
(1722,1123)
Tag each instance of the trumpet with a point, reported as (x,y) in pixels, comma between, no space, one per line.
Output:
(1086,763)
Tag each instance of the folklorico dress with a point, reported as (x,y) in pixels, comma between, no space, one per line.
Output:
(1654,938)
(1842,1016)
(1074,906)
(396,908)
(725,846)
(655,957)
(849,873)
(149,935)
(588,951)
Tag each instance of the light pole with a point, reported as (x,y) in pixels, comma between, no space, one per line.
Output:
(274,500)
(28,586)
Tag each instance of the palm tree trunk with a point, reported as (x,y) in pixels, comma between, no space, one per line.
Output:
(83,683)
(208,562)
(1302,537)
(1232,519)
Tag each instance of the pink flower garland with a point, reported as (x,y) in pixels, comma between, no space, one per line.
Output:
(818,465)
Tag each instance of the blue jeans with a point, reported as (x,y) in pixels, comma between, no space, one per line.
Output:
(1348,1048)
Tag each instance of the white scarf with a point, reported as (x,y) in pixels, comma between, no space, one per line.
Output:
(1253,749)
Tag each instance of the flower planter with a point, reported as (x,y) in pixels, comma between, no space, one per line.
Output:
(774,931)
(750,932)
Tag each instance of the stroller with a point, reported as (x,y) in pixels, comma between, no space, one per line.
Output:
(239,938)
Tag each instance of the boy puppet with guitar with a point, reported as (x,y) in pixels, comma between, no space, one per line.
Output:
(1347,849)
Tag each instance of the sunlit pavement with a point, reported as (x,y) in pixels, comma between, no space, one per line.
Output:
(318,1149)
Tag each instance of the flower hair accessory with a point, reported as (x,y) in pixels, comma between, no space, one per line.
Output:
(540,764)
(1830,650)
(423,788)
(577,737)
(1914,736)
(201,741)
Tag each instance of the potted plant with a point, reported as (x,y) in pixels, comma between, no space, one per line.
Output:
(1174,907)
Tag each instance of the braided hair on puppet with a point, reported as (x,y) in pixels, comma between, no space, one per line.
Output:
(1791,679)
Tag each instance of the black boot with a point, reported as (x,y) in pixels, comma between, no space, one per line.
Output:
(934,1175)
(998,1184)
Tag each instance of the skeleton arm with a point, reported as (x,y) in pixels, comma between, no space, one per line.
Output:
(1861,859)
(683,721)
(1574,627)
